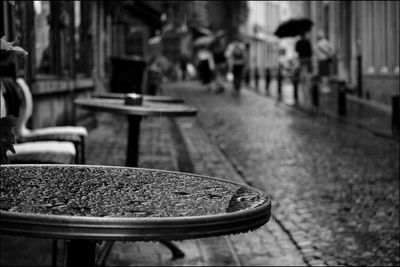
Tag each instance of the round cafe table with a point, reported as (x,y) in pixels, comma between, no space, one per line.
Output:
(135,108)
(152,98)
(87,204)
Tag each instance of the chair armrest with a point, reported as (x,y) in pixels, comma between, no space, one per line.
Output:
(49,137)
(43,152)
(60,133)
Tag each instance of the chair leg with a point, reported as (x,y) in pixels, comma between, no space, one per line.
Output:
(177,253)
(103,253)
(77,149)
(83,160)
(80,151)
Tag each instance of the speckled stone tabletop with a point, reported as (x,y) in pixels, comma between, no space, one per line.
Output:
(121,192)
(121,203)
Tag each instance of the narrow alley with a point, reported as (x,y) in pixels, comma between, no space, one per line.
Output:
(334,186)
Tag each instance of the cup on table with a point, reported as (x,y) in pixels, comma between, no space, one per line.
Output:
(133,99)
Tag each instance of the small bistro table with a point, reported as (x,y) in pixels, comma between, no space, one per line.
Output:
(135,107)
(87,204)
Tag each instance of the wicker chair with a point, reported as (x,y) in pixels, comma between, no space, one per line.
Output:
(74,134)
(40,152)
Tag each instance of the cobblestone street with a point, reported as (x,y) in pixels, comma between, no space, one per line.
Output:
(334,186)
(182,145)
(246,133)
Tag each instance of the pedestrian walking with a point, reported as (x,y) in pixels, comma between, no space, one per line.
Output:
(206,67)
(324,53)
(221,64)
(237,60)
(304,51)
(183,66)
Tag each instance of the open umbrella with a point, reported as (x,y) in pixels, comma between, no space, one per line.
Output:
(154,40)
(220,33)
(204,41)
(293,27)
(200,31)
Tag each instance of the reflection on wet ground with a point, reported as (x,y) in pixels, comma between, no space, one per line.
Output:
(335,186)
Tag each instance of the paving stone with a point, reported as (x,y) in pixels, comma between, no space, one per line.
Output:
(217,251)
(317,263)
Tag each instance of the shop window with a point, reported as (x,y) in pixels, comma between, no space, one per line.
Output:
(43,45)
(55,38)
(77,26)
(82,39)
(326,19)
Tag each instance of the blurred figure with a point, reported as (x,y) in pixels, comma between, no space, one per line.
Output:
(162,64)
(183,66)
(206,67)
(155,78)
(324,53)
(237,59)
(191,71)
(304,52)
(221,65)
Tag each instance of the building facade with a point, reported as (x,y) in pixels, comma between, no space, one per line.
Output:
(67,50)
(263,18)
(180,18)
(264,45)
(230,16)
(70,45)
(365,35)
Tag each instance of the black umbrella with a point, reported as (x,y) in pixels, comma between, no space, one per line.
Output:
(293,27)
(200,31)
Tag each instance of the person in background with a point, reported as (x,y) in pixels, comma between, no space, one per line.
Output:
(237,60)
(304,51)
(206,67)
(324,53)
(183,66)
(218,51)
(191,71)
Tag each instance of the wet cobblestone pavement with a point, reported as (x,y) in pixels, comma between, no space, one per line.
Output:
(335,188)
(159,149)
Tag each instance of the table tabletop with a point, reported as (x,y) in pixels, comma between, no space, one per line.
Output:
(120,203)
(148,108)
(155,98)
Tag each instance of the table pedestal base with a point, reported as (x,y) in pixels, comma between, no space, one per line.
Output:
(133,141)
(177,253)
(81,253)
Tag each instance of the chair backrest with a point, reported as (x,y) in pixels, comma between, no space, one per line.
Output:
(15,102)
(25,108)
(3,109)
(18,99)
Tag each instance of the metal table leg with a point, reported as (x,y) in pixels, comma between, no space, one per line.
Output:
(133,141)
(81,253)
(177,253)
(132,160)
